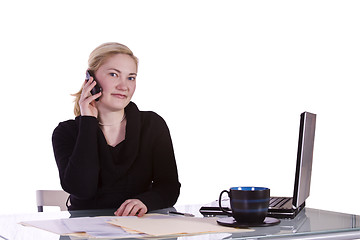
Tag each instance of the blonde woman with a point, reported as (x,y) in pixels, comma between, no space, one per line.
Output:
(112,155)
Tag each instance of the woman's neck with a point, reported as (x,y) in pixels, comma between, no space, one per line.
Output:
(113,126)
(111,118)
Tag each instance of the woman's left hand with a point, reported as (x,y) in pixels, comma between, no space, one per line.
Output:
(131,207)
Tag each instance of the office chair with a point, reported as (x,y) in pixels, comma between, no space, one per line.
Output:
(51,198)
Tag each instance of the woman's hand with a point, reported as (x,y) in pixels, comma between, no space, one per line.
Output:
(87,100)
(131,207)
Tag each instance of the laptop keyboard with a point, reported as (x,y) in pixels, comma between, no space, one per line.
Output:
(278,202)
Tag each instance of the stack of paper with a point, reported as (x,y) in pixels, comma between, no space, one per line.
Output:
(150,225)
(97,227)
(165,225)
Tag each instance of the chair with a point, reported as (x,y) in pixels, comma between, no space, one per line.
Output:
(51,198)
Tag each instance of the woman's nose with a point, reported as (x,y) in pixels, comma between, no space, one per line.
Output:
(121,84)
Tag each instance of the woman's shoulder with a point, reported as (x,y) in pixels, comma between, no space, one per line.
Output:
(146,115)
(151,115)
(154,123)
(68,131)
(73,124)
(78,120)
(67,126)
(152,118)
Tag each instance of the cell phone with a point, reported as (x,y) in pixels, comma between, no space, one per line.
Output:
(97,87)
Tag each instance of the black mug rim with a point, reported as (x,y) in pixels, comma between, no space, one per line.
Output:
(247,188)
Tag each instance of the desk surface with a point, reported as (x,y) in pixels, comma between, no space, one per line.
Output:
(309,224)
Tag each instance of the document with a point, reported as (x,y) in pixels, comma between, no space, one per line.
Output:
(150,225)
(93,226)
(55,226)
(97,227)
(165,225)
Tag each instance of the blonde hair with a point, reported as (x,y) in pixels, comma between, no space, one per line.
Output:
(98,57)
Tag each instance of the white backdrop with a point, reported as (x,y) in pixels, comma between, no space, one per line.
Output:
(230,78)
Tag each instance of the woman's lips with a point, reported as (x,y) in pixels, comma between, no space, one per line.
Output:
(118,95)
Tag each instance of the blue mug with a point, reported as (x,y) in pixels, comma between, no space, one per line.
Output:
(248,204)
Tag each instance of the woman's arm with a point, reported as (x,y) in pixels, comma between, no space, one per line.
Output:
(165,188)
(76,154)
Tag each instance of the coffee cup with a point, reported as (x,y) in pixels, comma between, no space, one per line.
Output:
(248,204)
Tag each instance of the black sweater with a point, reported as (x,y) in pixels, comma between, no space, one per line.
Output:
(99,176)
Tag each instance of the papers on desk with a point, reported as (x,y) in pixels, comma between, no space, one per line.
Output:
(150,225)
(93,226)
(165,225)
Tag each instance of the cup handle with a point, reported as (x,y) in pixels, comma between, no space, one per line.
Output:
(229,213)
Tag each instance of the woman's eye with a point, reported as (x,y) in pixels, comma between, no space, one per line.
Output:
(113,74)
(131,78)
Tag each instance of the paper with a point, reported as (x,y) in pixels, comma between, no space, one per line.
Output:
(150,225)
(55,226)
(163,225)
(97,227)
(93,226)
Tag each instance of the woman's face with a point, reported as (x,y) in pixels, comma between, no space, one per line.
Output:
(117,77)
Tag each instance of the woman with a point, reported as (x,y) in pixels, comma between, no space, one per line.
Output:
(113,155)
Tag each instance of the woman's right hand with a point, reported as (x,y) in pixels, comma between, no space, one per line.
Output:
(131,207)
(87,100)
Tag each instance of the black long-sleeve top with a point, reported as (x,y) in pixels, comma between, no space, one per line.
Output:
(100,176)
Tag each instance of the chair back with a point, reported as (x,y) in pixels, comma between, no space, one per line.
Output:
(51,198)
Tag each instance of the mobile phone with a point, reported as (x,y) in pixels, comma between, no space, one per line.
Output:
(97,87)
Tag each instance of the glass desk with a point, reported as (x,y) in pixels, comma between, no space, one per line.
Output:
(308,224)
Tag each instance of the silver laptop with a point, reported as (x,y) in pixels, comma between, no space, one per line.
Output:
(287,207)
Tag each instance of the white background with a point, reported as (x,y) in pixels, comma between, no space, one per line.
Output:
(230,78)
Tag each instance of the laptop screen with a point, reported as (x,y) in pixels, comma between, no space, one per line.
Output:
(304,158)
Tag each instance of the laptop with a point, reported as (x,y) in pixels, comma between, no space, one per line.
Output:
(287,207)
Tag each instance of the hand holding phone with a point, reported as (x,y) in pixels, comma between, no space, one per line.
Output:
(86,101)
(97,87)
